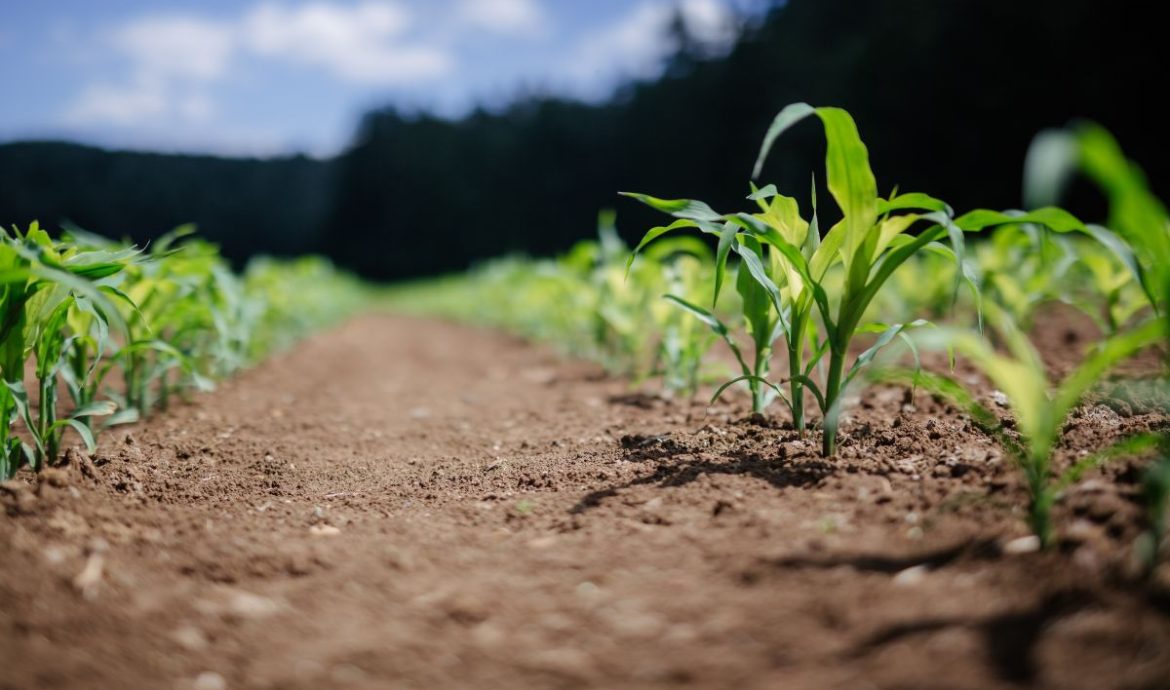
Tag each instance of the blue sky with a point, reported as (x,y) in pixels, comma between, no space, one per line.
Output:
(265,77)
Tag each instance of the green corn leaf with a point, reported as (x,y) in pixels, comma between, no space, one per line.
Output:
(726,241)
(715,325)
(1049,164)
(828,252)
(1055,219)
(756,269)
(1103,358)
(653,234)
(813,240)
(795,259)
(749,377)
(887,334)
(889,263)
(787,117)
(83,431)
(701,314)
(688,209)
(765,192)
(665,250)
(783,214)
(812,387)
(24,409)
(83,287)
(819,350)
(850,179)
(1126,256)
(98,408)
(912,201)
(125,416)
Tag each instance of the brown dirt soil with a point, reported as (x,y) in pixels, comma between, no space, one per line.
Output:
(410,504)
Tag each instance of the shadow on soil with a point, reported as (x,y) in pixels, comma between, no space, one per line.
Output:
(1010,638)
(876,563)
(778,472)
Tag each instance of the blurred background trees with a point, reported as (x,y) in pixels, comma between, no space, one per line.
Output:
(947,94)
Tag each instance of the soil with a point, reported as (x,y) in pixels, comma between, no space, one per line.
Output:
(405,503)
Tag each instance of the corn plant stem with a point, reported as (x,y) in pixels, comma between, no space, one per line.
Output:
(761,372)
(1039,515)
(46,416)
(1042,497)
(832,393)
(795,370)
(79,363)
(134,397)
(8,464)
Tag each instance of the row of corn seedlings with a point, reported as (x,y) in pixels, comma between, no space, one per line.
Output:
(585,303)
(824,302)
(1119,275)
(121,331)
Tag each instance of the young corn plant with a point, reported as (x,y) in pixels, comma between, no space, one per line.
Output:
(171,311)
(1107,290)
(784,275)
(684,340)
(1024,266)
(1040,407)
(760,314)
(1138,230)
(43,282)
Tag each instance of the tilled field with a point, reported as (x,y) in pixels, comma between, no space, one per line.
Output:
(410,504)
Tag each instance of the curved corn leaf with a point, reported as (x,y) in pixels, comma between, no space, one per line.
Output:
(750,377)
(787,117)
(689,209)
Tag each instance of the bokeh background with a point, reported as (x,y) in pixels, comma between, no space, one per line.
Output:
(406,138)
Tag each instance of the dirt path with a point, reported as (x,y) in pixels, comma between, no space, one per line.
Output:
(409,504)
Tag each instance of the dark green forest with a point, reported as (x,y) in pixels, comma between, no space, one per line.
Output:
(948,95)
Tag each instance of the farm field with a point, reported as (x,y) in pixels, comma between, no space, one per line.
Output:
(404,502)
(664,344)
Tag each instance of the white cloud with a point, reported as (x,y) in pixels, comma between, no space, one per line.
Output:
(710,21)
(634,45)
(181,47)
(172,68)
(143,100)
(173,60)
(508,17)
(362,43)
(118,104)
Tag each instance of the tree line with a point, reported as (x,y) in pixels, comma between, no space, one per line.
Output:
(947,95)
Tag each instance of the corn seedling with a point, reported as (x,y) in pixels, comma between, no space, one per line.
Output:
(83,307)
(1040,407)
(43,284)
(785,266)
(1138,225)
(171,298)
(685,340)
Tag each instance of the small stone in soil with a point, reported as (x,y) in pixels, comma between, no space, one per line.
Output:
(1022,545)
(910,576)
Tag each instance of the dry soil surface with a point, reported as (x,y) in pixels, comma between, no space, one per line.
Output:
(411,504)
